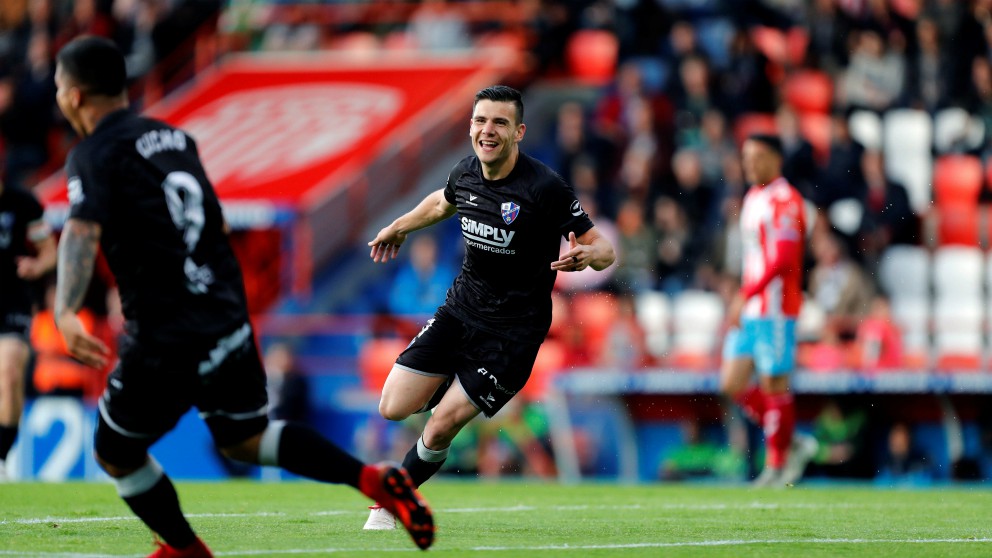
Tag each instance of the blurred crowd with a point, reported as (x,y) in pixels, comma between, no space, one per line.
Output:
(34,137)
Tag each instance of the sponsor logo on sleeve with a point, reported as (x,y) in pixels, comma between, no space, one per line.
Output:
(576,209)
(75,190)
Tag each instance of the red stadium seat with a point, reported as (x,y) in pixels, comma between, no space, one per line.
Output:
(595,313)
(375,360)
(957,179)
(809,91)
(551,359)
(796,43)
(754,123)
(592,55)
(958,224)
(771,42)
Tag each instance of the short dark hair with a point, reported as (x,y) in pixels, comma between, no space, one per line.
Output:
(772,141)
(502,94)
(95,64)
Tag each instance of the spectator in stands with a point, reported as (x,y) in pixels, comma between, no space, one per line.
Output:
(904,462)
(136,21)
(289,390)
(875,76)
(799,166)
(55,371)
(638,167)
(843,438)
(828,33)
(29,113)
(699,457)
(930,71)
(88,18)
(879,339)
(980,95)
(421,283)
(889,218)
(297,31)
(841,177)
(636,242)
(745,82)
(624,347)
(699,199)
(714,145)
(693,95)
(516,441)
(838,284)
(435,25)
(676,250)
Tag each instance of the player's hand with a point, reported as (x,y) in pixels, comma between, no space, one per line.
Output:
(576,258)
(86,348)
(29,268)
(386,245)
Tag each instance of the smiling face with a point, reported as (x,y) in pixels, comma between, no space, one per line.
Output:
(495,133)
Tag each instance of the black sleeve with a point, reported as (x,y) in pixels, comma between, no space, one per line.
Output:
(449,187)
(564,209)
(32,209)
(89,188)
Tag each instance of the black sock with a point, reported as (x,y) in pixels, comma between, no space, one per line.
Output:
(159,508)
(305,452)
(420,470)
(8,435)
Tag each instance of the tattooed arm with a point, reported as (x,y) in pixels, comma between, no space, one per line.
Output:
(77,256)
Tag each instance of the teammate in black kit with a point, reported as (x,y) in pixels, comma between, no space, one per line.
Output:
(137,190)
(514,211)
(21,229)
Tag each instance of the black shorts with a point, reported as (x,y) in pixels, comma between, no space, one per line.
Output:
(490,368)
(152,387)
(15,323)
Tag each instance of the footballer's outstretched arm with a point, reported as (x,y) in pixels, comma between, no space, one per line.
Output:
(589,250)
(433,209)
(76,258)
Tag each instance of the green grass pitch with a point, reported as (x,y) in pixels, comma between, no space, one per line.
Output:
(481,519)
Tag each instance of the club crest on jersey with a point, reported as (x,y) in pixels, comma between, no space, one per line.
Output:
(509,210)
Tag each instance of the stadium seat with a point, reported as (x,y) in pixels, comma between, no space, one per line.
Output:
(865,128)
(591,55)
(376,358)
(958,274)
(785,48)
(954,129)
(958,224)
(796,44)
(595,313)
(957,179)
(912,315)
(907,138)
(753,123)
(697,318)
(551,358)
(809,91)
(904,272)
(654,313)
(958,334)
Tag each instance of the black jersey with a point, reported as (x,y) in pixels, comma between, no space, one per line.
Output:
(163,230)
(19,210)
(513,229)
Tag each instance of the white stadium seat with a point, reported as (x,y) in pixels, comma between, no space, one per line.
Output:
(865,128)
(904,271)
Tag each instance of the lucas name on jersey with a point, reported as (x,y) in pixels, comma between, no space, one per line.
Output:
(487,237)
(157,141)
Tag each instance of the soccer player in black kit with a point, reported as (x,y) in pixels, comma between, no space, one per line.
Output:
(22,231)
(137,190)
(514,212)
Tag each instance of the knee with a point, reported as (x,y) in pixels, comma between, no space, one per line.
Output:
(390,409)
(246,451)
(114,471)
(439,433)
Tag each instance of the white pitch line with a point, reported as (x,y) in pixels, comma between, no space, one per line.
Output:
(563,547)
(505,509)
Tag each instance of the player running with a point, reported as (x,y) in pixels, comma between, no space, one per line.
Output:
(513,211)
(137,189)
